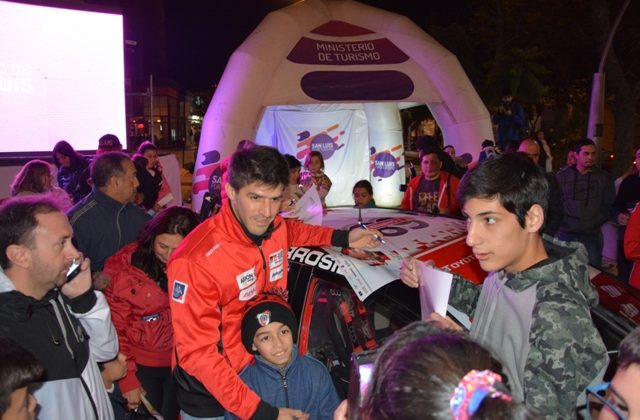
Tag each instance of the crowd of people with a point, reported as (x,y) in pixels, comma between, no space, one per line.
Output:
(106,337)
(582,197)
(167,316)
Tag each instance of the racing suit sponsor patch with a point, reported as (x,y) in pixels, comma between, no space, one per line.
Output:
(247,278)
(276,259)
(248,293)
(179,292)
(276,273)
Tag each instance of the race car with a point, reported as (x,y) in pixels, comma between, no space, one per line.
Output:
(350,302)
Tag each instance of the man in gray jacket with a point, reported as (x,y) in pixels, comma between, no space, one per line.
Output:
(587,196)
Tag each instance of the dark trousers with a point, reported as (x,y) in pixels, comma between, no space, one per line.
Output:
(161,389)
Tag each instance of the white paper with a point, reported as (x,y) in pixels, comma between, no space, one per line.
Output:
(367,270)
(421,236)
(435,286)
(309,208)
(163,201)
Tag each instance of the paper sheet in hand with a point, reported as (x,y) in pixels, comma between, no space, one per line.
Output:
(309,207)
(435,286)
(370,269)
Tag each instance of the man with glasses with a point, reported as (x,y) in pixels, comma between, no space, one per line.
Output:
(620,399)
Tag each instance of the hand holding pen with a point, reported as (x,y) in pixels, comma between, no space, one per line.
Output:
(377,235)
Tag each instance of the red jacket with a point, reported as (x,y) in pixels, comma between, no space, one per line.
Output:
(141,315)
(212,275)
(446,197)
(632,246)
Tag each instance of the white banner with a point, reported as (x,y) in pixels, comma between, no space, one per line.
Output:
(341,137)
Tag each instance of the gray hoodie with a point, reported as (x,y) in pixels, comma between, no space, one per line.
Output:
(538,323)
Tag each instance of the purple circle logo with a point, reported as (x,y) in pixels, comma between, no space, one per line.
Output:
(384,165)
(324,144)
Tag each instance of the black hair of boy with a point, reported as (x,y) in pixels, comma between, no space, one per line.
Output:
(18,368)
(513,179)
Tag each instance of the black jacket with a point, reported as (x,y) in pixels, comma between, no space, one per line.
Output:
(102,225)
(74,180)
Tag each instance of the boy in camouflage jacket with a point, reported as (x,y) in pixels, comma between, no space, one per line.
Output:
(533,309)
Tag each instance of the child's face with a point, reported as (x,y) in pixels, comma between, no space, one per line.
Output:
(315,165)
(274,342)
(22,406)
(115,369)
(496,238)
(152,158)
(361,196)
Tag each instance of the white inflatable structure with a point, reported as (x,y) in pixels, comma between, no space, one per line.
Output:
(328,75)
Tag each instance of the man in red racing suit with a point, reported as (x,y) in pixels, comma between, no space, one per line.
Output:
(225,262)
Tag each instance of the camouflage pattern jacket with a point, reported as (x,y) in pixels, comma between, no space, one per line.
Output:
(539,325)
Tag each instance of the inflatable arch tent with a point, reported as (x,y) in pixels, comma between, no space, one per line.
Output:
(329,75)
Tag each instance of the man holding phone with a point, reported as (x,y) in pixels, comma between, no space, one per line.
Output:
(65,324)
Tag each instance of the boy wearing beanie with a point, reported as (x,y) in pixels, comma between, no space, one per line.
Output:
(279,375)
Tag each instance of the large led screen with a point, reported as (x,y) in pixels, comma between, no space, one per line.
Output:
(61,77)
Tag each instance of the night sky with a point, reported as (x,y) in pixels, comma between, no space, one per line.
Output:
(202,34)
(199,36)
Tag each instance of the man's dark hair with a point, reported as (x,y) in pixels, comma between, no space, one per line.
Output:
(260,164)
(18,368)
(107,165)
(431,150)
(513,179)
(18,221)
(580,143)
(629,352)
